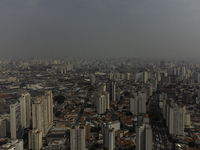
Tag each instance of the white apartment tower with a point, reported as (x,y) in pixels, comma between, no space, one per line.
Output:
(42,112)
(109,137)
(92,79)
(15,120)
(102,102)
(103,88)
(138,105)
(144,137)
(175,119)
(25,104)
(35,139)
(145,77)
(39,115)
(49,97)
(77,137)
(112,91)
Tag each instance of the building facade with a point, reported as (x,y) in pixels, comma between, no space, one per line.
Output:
(35,139)
(77,137)
(15,120)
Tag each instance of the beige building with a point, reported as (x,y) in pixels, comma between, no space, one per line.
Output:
(3,128)
(35,139)
(49,97)
(77,137)
(42,112)
(25,105)
(39,115)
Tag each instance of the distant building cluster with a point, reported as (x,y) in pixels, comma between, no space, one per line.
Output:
(89,104)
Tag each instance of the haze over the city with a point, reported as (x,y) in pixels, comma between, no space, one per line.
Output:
(99,28)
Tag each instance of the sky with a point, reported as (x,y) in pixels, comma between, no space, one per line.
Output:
(100,28)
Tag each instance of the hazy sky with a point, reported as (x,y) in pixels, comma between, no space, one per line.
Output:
(113,28)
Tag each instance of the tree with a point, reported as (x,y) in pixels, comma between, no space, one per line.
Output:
(128,113)
(58,113)
(94,147)
(59,99)
(154,114)
(67,133)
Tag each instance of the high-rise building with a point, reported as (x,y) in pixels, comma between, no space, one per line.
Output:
(138,105)
(92,79)
(107,95)
(77,137)
(25,105)
(144,137)
(183,71)
(198,78)
(35,139)
(112,91)
(101,104)
(4,125)
(128,76)
(109,137)
(103,88)
(175,119)
(145,77)
(111,76)
(134,105)
(2,128)
(150,90)
(158,76)
(198,95)
(42,112)
(15,120)
(162,64)
(88,127)
(117,75)
(118,94)
(49,97)
(39,115)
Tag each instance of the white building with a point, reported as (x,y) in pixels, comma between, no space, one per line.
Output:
(42,112)
(144,137)
(25,105)
(49,97)
(15,120)
(145,77)
(112,91)
(109,137)
(39,115)
(77,137)
(128,76)
(92,79)
(175,119)
(138,105)
(103,88)
(102,102)
(187,121)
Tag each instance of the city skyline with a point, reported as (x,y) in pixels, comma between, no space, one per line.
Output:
(154,29)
